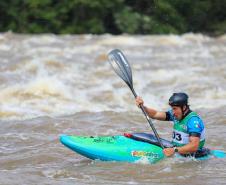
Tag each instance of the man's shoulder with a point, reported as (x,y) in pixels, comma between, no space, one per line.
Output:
(195,122)
(195,117)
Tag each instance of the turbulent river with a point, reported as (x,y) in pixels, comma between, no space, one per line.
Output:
(52,85)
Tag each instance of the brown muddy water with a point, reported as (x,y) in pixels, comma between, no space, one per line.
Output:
(52,85)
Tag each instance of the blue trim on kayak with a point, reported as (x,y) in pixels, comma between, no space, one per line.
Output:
(218,153)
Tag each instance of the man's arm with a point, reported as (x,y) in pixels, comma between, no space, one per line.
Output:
(154,114)
(191,147)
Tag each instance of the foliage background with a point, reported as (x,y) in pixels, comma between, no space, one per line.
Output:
(113,16)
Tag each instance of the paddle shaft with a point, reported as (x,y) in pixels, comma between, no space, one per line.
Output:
(122,68)
(148,119)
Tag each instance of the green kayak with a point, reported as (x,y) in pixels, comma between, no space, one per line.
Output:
(125,148)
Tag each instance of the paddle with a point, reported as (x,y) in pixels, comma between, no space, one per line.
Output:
(122,68)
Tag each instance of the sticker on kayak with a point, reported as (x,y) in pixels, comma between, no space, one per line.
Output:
(144,154)
(104,140)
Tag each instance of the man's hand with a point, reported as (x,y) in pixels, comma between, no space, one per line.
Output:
(139,101)
(168,151)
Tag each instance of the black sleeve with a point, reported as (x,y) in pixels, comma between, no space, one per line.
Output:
(167,116)
(195,134)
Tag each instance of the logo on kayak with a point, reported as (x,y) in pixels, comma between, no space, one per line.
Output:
(144,154)
(104,140)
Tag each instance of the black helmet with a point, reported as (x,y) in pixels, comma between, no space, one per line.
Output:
(178,99)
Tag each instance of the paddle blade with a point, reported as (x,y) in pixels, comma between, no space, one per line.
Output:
(121,66)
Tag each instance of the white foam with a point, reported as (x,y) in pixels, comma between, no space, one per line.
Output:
(57,75)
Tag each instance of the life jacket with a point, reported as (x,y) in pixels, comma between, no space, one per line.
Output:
(180,131)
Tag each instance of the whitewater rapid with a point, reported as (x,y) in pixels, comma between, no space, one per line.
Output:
(49,75)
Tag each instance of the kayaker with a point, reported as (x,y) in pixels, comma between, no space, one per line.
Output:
(188,128)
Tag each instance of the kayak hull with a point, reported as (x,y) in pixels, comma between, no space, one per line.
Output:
(113,148)
(121,148)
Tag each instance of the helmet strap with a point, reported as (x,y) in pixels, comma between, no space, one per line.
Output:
(185,112)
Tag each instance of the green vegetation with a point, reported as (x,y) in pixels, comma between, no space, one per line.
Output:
(116,16)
